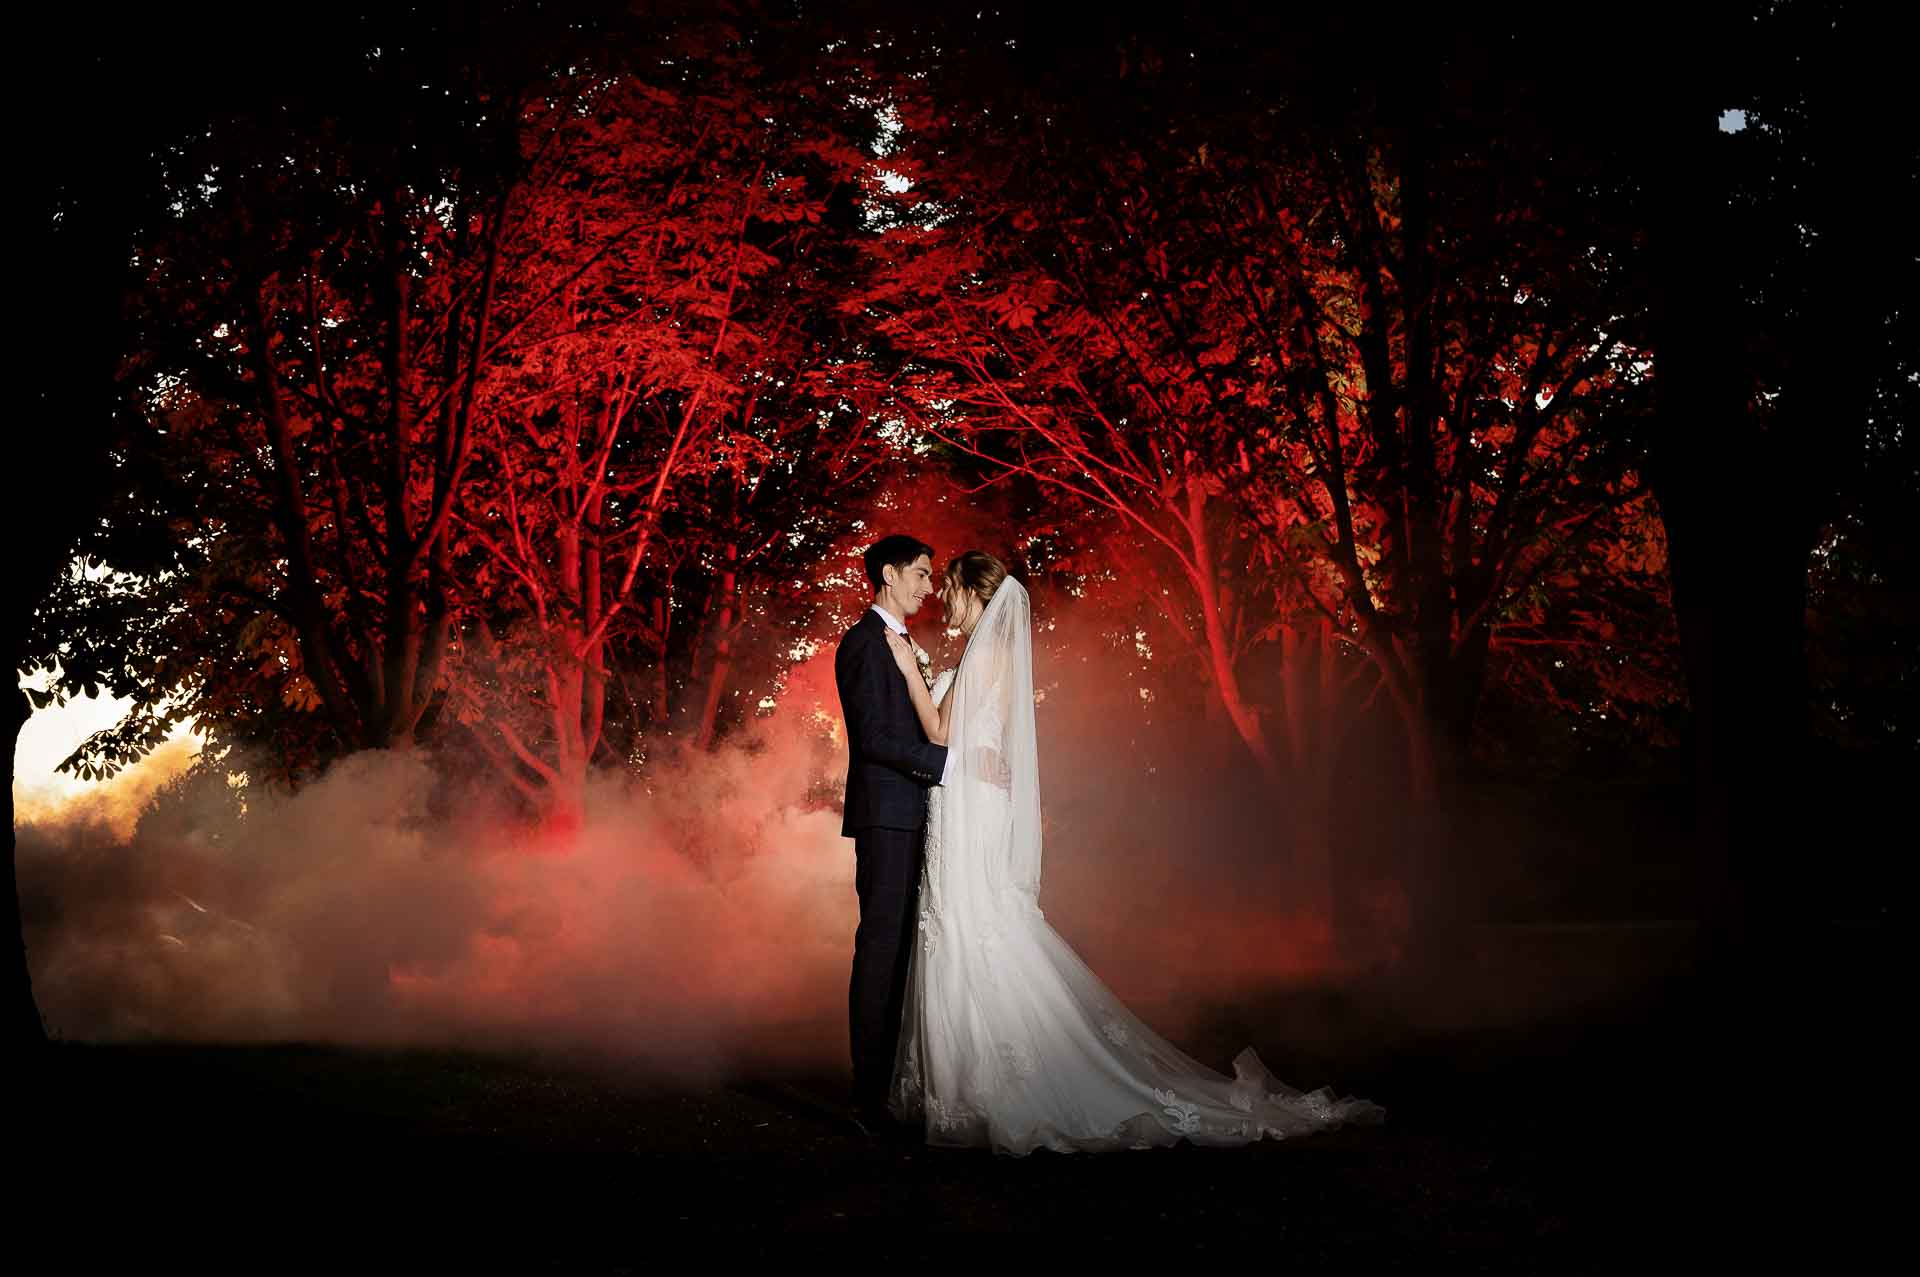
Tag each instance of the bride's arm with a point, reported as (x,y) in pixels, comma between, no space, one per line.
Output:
(986,758)
(944,715)
(932,721)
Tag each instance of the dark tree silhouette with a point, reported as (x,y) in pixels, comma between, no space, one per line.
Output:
(1783,290)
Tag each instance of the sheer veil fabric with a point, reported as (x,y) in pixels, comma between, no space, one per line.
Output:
(1008,1039)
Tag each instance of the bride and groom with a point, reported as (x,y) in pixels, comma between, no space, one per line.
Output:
(970,1016)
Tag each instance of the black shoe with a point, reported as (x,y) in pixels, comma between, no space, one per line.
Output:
(875,1123)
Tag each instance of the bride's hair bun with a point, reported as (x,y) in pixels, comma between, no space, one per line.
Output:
(978,571)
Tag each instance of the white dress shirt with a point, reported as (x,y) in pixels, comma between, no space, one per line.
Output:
(899,627)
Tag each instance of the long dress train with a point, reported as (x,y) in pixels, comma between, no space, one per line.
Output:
(1008,1039)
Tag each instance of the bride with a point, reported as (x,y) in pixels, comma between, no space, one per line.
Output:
(1008,1040)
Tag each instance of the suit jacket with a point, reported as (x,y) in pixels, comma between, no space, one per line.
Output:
(891,764)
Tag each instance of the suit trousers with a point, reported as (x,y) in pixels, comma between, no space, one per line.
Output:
(887,880)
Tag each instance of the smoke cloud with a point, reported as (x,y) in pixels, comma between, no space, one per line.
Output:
(700,922)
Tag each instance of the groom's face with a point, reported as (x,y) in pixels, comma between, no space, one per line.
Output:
(911,584)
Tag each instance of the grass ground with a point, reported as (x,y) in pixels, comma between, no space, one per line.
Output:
(1627,1134)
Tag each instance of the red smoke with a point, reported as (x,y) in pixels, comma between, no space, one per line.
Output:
(702,916)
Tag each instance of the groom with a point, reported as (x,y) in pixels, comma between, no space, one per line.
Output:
(891,766)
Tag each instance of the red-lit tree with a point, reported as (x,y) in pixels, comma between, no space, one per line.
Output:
(597,411)
(237,250)
(317,304)
(1347,368)
(668,431)
(1453,383)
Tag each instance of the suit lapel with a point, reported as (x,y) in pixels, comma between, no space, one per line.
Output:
(877,635)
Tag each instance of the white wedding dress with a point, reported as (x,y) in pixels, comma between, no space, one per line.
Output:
(1008,1040)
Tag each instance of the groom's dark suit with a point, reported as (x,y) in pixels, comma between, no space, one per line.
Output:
(891,766)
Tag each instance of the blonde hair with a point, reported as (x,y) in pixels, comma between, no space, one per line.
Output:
(978,571)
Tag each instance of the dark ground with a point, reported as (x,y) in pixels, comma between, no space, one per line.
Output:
(1617,1135)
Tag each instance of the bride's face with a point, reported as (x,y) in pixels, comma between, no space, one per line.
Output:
(961,606)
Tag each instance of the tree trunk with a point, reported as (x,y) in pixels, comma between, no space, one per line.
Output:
(1739,595)
(1221,665)
(659,693)
(24,1026)
(1433,780)
(1739,582)
(1435,769)
(77,166)
(1450,892)
(568,684)
(721,666)
(1315,717)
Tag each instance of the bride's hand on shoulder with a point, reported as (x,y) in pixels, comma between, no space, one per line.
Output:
(902,654)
